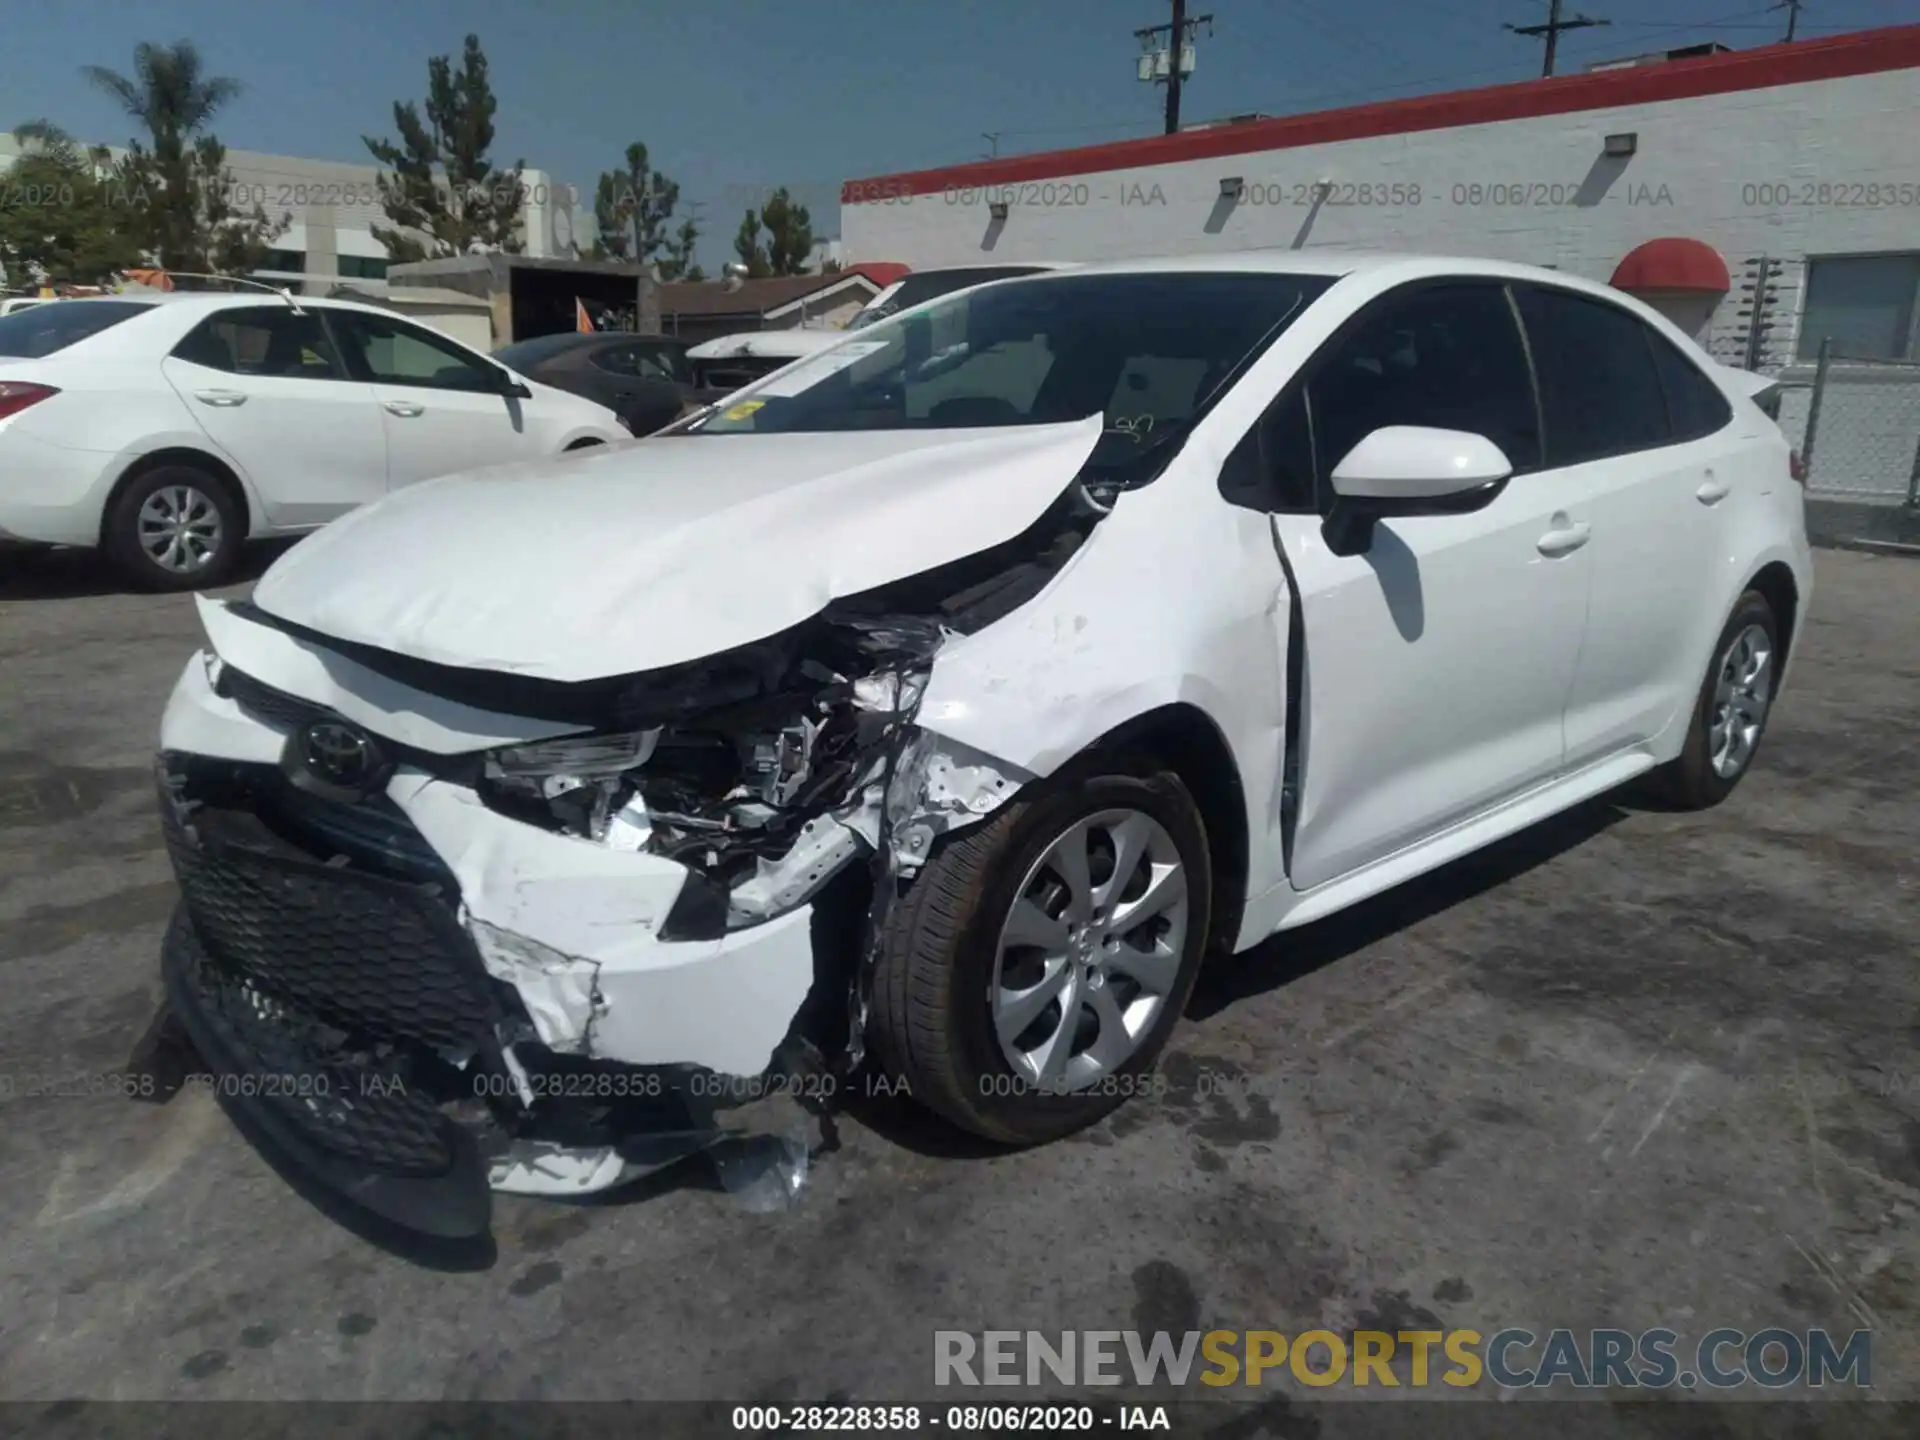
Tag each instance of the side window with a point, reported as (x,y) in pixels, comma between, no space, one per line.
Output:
(276,341)
(392,352)
(1694,403)
(632,360)
(1446,356)
(1598,385)
(1272,467)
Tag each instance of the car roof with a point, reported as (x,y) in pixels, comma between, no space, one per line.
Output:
(992,265)
(1386,267)
(224,300)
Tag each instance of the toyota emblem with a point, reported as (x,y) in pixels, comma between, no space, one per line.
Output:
(335,759)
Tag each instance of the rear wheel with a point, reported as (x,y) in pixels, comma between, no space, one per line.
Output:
(176,527)
(1032,974)
(1730,714)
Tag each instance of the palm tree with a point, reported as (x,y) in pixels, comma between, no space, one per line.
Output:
(168,93)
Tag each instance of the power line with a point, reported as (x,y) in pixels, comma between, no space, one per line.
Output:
(1551,30)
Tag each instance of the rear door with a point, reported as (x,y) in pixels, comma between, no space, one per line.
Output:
(440,403)
(1657,485)
(267,385)
(1437,663)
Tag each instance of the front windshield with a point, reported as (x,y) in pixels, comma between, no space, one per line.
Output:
(931,285)
(1144,351)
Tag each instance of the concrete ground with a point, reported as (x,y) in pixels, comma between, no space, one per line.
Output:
(1630,1069)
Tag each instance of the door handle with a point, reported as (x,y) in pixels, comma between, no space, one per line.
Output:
(404,408)
(223,398)
(1564,539)
(1713,491)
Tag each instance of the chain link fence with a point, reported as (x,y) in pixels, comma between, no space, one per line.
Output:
(1856,424)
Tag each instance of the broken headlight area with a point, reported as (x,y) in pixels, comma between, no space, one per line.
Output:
(762,797)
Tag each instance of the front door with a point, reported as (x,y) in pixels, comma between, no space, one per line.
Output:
(441,403)
(268,387)
(1437,663)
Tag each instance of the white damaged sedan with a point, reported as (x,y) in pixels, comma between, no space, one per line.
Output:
(940,702)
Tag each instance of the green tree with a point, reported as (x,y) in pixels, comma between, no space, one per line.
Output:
(678,262)
(62,221)
(749,250)
(444,195)
(789,234)
(185,218)
(631,208)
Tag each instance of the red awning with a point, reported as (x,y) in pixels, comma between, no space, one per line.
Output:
(881,272)
(1673,263)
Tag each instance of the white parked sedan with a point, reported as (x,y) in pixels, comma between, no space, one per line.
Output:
(168,430)
(945,698)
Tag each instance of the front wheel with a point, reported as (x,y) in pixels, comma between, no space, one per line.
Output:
(1034,970)
(1731,711)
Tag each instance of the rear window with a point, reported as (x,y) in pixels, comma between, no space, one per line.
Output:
(44,329)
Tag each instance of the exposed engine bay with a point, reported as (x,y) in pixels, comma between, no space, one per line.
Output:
(766,770)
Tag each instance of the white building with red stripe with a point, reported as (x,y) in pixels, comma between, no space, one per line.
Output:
(1790,170)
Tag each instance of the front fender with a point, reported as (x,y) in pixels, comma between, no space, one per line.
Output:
(1164,605)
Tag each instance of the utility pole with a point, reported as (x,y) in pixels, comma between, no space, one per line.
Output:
(1178,39)
(992,137)
(1552,30)
(1179,49)
(1792,7)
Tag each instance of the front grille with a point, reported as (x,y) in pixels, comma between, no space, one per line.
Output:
(264,702)
(382,959)
(341,1102)
(374,834)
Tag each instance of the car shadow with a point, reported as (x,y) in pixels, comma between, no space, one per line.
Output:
(64,573)
(1281,959)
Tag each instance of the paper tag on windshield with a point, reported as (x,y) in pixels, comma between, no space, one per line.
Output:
(810,373)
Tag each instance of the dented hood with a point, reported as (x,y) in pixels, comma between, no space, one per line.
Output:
(612,561)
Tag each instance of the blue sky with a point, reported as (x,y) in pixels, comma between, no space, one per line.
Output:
(734,98)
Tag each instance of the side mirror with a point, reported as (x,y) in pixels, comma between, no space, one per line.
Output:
(1410,470)
(513,386)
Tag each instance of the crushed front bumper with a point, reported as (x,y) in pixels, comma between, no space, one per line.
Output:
(418,1000)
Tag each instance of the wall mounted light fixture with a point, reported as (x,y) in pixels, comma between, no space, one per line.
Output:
(997,209)
(1231,186)
(1620,147)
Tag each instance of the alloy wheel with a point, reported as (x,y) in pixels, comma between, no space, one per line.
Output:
(179,529)
(1090,950)
(1742,691)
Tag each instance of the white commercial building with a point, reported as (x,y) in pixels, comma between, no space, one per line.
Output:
(331,209)
(1765,199)
(1801,156)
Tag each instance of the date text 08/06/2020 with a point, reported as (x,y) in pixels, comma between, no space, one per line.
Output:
(951,1419)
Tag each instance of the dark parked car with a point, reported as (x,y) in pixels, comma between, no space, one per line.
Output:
(644,379)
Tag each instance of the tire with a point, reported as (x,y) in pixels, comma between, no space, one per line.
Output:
(1693,780)
(931,1019)
(214,521)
